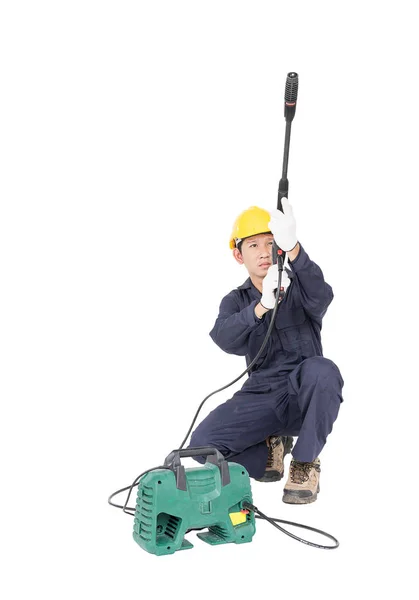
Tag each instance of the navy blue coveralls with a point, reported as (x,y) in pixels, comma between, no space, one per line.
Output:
(292,390)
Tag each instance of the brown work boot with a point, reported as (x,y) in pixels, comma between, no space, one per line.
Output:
(302,486)
(278,447)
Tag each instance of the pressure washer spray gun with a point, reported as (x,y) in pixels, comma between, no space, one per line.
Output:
(172,500)
(291,92)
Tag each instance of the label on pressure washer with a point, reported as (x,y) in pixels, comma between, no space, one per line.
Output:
(238,517)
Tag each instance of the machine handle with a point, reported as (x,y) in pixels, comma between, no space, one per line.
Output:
(175,455)
(172,461)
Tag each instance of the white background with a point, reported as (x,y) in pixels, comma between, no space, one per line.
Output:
(132,134)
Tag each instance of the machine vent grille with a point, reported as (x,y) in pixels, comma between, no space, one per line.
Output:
(172,526)
(219,530)
(143,523)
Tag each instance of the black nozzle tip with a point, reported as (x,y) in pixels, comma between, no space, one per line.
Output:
(291,88)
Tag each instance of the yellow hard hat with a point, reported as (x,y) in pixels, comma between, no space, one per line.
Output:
(252,221)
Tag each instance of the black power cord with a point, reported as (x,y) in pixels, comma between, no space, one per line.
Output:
(130,510)
(274,522)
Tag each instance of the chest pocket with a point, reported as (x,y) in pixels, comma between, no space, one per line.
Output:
(294,332)
(255,343)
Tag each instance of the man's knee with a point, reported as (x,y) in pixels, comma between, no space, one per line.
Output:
(205,437)
(319,367)
(202,438)
(198,439)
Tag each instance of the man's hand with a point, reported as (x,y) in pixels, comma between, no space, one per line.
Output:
(283,226)
(270,284)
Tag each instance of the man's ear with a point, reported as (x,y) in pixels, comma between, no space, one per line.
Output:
(238,256)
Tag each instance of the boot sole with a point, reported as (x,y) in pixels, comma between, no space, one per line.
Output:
(288,499)
(267,479)
(294,498)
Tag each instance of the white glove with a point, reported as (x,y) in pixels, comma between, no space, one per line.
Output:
(283,226)
(270,284)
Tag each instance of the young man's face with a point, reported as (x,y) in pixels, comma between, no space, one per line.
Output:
(256,254)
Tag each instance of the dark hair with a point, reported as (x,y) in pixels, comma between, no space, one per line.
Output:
(239,245)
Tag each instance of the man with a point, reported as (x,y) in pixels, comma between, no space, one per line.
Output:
(292,390)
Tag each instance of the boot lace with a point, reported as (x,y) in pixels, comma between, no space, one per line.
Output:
(300,472)
(271,448)
(270,460)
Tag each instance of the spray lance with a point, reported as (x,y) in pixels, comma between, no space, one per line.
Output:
(290,105)
(159,494)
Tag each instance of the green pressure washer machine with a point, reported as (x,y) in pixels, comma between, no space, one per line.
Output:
(175,500)
(172,500)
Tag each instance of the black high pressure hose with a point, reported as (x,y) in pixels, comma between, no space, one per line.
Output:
(291,91)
